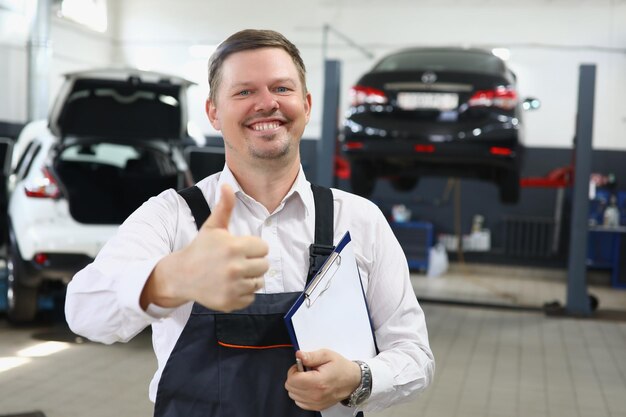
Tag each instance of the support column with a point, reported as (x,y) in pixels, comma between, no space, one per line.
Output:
(39,56)
(330,119)
(577,296)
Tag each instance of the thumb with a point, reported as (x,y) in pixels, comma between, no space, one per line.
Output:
(315,358)
(220,217)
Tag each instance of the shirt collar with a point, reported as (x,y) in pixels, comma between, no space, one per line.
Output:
(227,177)
(300,189)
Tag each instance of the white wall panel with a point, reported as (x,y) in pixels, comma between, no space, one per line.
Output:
(548,41)
(73,48)
(14,26)
(13,73)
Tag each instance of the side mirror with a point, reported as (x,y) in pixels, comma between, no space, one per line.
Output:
(531,103)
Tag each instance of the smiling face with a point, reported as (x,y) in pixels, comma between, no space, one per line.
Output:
(260,107)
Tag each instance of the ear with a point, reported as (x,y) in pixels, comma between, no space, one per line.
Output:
(211,112)
(307,106)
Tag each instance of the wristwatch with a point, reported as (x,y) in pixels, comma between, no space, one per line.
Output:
(363,391)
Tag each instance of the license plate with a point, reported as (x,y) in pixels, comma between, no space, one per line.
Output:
(428,101)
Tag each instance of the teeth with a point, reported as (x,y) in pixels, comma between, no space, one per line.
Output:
(265,126)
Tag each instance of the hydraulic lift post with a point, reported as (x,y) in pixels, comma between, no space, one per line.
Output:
(578,301)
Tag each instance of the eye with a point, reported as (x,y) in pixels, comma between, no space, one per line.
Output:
(244,93)
(282,89)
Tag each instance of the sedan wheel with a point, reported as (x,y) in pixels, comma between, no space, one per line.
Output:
(404,183)
(362,178)
(21,299)
(509,187)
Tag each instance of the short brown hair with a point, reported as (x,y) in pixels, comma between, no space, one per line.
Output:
(246,40)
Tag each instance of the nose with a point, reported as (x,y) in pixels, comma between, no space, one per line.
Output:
(266,101)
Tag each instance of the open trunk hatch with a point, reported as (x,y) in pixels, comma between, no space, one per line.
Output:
(120,108)
(104,183)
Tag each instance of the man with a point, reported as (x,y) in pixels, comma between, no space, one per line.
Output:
(215,291)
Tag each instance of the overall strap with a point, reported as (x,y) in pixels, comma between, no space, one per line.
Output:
(197,203)
(323,245)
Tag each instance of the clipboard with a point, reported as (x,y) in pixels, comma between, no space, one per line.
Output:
(332,313)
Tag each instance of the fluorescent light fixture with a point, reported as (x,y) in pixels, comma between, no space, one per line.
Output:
(201,51)
(42,349)
(502,53)
(11,362)
(90,13)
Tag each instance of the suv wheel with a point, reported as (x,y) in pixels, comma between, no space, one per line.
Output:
(362,178)
(404,183)
(509,187)
(21,299)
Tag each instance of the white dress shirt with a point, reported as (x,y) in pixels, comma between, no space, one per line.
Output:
(103,299)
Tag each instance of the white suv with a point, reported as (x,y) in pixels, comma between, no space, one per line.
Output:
(113,139)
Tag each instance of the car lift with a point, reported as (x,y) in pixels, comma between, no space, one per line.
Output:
(577,174)
(559,179)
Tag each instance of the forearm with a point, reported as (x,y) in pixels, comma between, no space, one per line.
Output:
(161,287)
(103,300)
(405,364)
(398,375)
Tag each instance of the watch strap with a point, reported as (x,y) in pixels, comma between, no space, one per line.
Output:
(364,390)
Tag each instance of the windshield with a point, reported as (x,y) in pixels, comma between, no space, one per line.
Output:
(104,153)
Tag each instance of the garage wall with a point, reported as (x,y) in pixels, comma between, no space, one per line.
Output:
(548,41)
(14,23)
(77,48)
(73,48)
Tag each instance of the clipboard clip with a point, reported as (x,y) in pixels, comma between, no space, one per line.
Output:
(328,271)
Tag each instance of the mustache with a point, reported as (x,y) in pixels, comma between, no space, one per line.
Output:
(273,114)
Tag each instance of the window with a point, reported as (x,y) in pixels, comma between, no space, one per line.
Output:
(20,162)
(29,160)
(90,13)
(442,60)
(103,153)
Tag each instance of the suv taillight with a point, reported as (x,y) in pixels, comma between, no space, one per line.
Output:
(44,186)
(366,95)
(502,97)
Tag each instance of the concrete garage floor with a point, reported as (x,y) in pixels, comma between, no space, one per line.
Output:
(490,361)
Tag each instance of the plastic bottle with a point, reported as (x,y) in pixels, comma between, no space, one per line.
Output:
(611,214)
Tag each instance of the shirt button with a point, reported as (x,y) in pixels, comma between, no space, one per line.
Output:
(272,273)
(268,222)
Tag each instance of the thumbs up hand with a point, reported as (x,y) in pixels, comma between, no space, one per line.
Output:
(217,269)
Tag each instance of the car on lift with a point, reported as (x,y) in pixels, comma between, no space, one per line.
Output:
(435,111)
(113,139)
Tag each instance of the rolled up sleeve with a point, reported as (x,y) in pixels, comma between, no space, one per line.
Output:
(102,302)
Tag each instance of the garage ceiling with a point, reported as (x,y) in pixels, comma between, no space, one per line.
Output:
(469,3)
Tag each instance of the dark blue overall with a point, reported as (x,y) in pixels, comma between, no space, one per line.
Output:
(235,364)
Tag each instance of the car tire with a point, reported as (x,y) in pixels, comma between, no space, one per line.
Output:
(404,183)
(362,178)
(21,299)
(509,187)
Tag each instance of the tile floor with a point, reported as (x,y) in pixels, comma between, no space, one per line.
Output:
(490,362)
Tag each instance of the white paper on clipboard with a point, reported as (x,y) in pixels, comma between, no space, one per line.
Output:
(332,313)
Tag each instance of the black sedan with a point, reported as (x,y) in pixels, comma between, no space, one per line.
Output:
(435,111)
